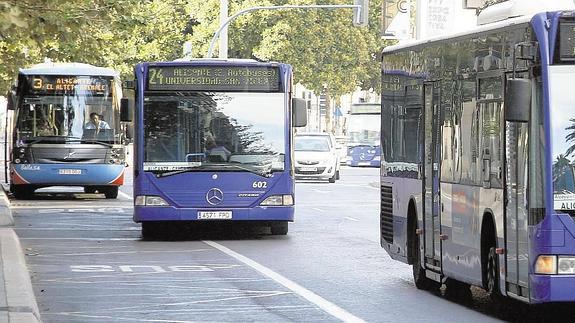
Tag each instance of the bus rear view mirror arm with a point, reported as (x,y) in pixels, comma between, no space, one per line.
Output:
(518,100)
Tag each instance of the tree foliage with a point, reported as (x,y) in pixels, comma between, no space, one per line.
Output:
(326,50)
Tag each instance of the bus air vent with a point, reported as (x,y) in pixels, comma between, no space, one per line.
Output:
(386,216)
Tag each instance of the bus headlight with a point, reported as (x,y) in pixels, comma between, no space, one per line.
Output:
(278,200)
(546,264)
(566,265)
(152,200)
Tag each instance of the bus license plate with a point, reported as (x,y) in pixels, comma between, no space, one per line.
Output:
(214,215)
(69,171)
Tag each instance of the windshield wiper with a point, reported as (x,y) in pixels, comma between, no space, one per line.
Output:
(92,141)
(62,139)
(218,166)
(40,139)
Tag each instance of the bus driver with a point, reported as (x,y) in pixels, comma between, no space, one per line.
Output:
(96,123)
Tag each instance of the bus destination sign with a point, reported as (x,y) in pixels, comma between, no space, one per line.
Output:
(214,78)
(45,84)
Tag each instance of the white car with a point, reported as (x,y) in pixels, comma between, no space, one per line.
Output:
(316,156)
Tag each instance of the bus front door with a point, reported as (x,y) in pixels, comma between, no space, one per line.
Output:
(431,223)
(516,214)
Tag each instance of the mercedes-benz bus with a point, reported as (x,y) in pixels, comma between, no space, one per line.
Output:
(214,143)
(478,145)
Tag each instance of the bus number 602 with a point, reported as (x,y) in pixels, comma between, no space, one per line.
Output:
(259,184)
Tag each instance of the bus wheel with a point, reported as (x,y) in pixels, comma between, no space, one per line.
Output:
(279,229)
(89,189)
(457,290)
(111,192)
(493,276)
(150,230)
(421,281)
(22,192)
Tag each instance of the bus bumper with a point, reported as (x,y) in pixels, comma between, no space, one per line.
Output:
(370,163)
(278,213)
(552,288)
(67,174)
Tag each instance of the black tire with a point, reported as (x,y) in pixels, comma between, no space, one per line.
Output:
(279,229)
(22,192)
(332,179)
(457,290)
(337,175)
(89,189)
(111,192)
(421,281)
(492,276)
(151,230)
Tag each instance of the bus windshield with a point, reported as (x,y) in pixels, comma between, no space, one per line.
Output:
(563,136)
(50,110)
(224,131)
(363,129)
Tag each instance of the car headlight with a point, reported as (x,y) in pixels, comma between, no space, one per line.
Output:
(278,200)
(149,200)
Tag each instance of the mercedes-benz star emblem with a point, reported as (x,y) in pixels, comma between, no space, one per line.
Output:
(214,196)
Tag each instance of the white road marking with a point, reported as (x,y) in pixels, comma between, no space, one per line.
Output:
(124,195)
(351,219)
(317,209)
(85,239)
(319,301)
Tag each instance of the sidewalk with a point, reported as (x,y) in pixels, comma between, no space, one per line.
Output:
(17,301)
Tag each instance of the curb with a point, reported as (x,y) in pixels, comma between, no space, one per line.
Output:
(17,301)
(20,303)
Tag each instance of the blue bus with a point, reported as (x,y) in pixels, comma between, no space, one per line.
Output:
(363,131)
(67,129)
(478,142)
(213,142)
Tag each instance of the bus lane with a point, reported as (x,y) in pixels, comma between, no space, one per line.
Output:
(88,264)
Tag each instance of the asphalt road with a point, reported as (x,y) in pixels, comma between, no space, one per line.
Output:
(88,264)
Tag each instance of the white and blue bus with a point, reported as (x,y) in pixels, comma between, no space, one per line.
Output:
(363,135)
(213,142)
(478,142)
(66,129)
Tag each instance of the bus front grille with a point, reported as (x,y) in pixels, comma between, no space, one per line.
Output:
(386,216)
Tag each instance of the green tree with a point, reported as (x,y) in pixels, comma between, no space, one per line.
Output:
(62,30)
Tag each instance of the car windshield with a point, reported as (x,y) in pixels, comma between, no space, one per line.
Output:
(311,143)
(185,130)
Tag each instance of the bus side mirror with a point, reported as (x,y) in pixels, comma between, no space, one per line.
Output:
(125,115)
(299,112)
(517,100)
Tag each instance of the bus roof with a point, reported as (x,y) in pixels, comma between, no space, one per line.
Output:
(68,69)
(479,29)
(501,15)
(215,61)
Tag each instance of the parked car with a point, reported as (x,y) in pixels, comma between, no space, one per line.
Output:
(316,156)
